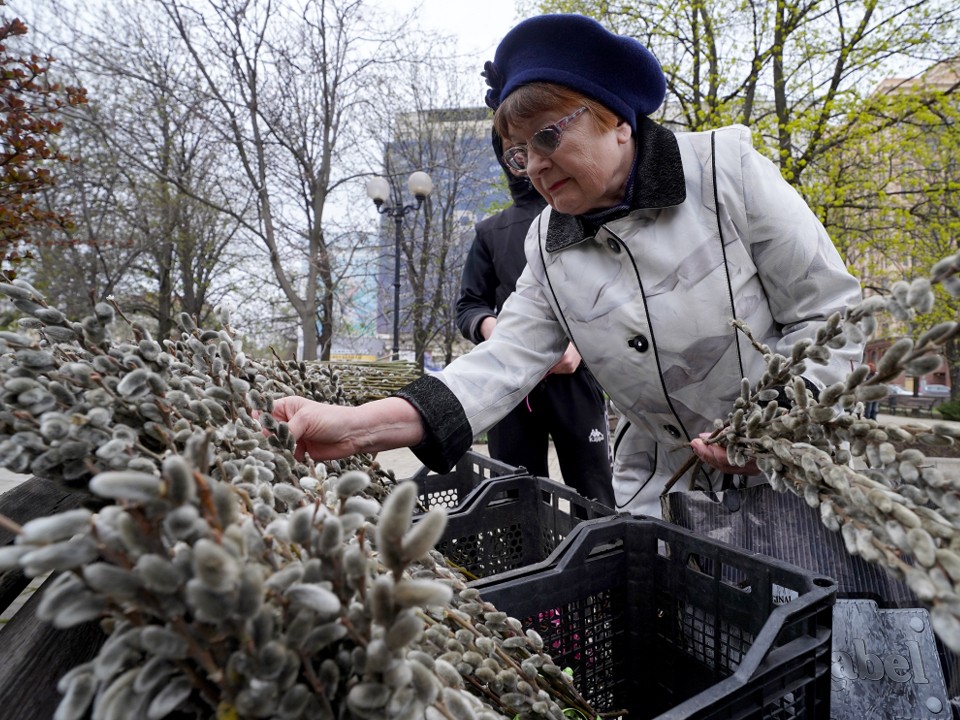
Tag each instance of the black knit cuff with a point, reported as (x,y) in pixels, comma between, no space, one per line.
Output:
(447,433)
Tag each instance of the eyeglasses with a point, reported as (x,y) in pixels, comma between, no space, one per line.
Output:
(545,141)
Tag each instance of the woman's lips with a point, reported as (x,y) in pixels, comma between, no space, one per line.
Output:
(557,185)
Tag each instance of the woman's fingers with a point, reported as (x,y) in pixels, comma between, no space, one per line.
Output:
(716,456)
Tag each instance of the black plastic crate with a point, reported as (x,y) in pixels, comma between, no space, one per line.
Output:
(451,489)
(657,622)
(513,522)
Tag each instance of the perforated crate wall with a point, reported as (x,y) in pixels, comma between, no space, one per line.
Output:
(513,522)
(450,490)
(657,622)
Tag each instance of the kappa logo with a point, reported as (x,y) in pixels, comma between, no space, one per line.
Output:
(597,436)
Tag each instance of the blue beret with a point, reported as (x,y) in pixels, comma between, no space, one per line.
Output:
(579,53)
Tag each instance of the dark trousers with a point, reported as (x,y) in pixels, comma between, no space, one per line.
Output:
(571,410)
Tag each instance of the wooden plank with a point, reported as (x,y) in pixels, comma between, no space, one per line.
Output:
(30,499)
(12,583)
(35,656)
(34,498)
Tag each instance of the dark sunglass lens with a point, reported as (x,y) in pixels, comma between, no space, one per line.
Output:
(546,140)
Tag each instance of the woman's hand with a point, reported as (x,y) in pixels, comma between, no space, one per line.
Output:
(715,456)
(332,432)
(568,363)
(319,429)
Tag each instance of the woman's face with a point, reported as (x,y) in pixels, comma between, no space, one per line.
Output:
(588,171)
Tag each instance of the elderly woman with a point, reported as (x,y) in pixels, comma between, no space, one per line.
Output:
(652,243)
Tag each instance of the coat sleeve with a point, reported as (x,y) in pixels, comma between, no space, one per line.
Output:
(478,290)
(802,272)
(476,390)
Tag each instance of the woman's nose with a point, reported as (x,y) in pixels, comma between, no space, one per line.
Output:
(536,163)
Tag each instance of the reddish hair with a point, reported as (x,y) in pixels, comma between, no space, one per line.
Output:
(528,101)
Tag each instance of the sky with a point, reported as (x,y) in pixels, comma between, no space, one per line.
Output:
(479,24)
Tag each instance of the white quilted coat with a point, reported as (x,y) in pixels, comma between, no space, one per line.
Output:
(648,300)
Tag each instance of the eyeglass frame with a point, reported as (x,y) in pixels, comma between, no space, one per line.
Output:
(558,127)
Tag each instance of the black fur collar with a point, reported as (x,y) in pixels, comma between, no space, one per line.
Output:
(658,182)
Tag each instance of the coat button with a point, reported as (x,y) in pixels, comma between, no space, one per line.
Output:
(639,343)
(613,244)
(672,431)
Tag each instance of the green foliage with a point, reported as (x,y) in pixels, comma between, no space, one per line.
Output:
(798,75)
(949,410)
(890,199)
(496,206)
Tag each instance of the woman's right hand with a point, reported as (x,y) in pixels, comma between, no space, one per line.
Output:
(332,432)
(319,429)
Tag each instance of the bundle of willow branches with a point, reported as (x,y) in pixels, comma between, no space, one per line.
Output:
(892,506)
(232,579)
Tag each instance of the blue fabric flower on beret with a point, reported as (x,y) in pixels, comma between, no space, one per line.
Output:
(579,53)
(495,82)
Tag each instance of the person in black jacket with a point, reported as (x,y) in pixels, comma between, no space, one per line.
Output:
(568,404)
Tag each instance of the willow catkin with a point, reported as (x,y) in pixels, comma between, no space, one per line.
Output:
(78,694)
(424,535)
(922,546)
(214,566)
(164,642)
(331,535)
(170,697)
(119,698)
(181,487)
(365,507)
(16,292)
(410,593)
(950,562)
(396,513)
(320,637)
(918,367)
(300,527)
(457,705)
(157,573)
(63,555)
(406,627)
(938,334)
(315,598)
(55,527)
(125,485)
(78,608)
(393,523)
(353,483)
(111,580)
(891,359)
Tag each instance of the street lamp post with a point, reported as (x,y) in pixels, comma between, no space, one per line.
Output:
(378,190)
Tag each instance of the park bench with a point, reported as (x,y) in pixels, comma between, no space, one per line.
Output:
(34,655)
(916,405)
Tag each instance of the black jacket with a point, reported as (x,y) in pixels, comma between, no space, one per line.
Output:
(496,257)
